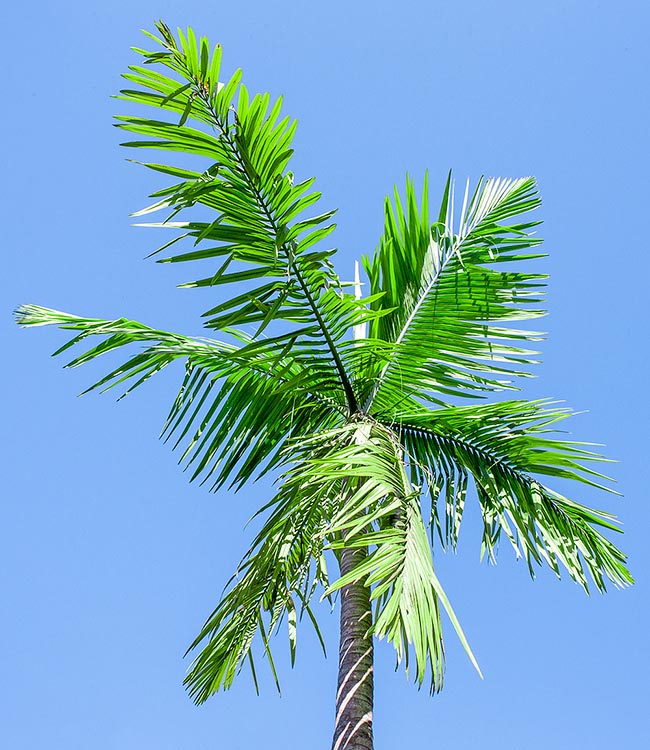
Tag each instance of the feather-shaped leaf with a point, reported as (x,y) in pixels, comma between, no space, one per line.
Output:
(445,299)
(506,448)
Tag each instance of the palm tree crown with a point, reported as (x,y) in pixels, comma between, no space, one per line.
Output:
(353,401)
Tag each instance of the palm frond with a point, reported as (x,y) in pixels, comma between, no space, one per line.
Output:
(505,448)
(236,406)
(444,299)
(379,510)
(284,565)
(276,579)
(263,234)
(343,489)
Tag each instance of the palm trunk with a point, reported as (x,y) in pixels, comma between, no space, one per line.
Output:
(353,725)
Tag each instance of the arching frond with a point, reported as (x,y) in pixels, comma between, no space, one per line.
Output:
(284,565)
(505,449)
(275,580)
(236,406)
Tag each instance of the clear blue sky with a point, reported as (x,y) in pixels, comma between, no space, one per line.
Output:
(110,561)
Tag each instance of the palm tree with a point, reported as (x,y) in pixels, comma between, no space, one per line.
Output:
(353,402)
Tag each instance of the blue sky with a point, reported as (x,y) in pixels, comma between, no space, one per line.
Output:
(110,561)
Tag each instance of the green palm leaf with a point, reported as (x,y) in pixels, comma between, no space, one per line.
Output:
(261,236)
(285,563)
(236,405)
(504,448)
(276,578)
(444,299)
(379,510)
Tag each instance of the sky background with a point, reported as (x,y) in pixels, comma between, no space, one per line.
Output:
(110,561)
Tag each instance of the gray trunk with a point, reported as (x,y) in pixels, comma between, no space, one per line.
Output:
(353,726)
